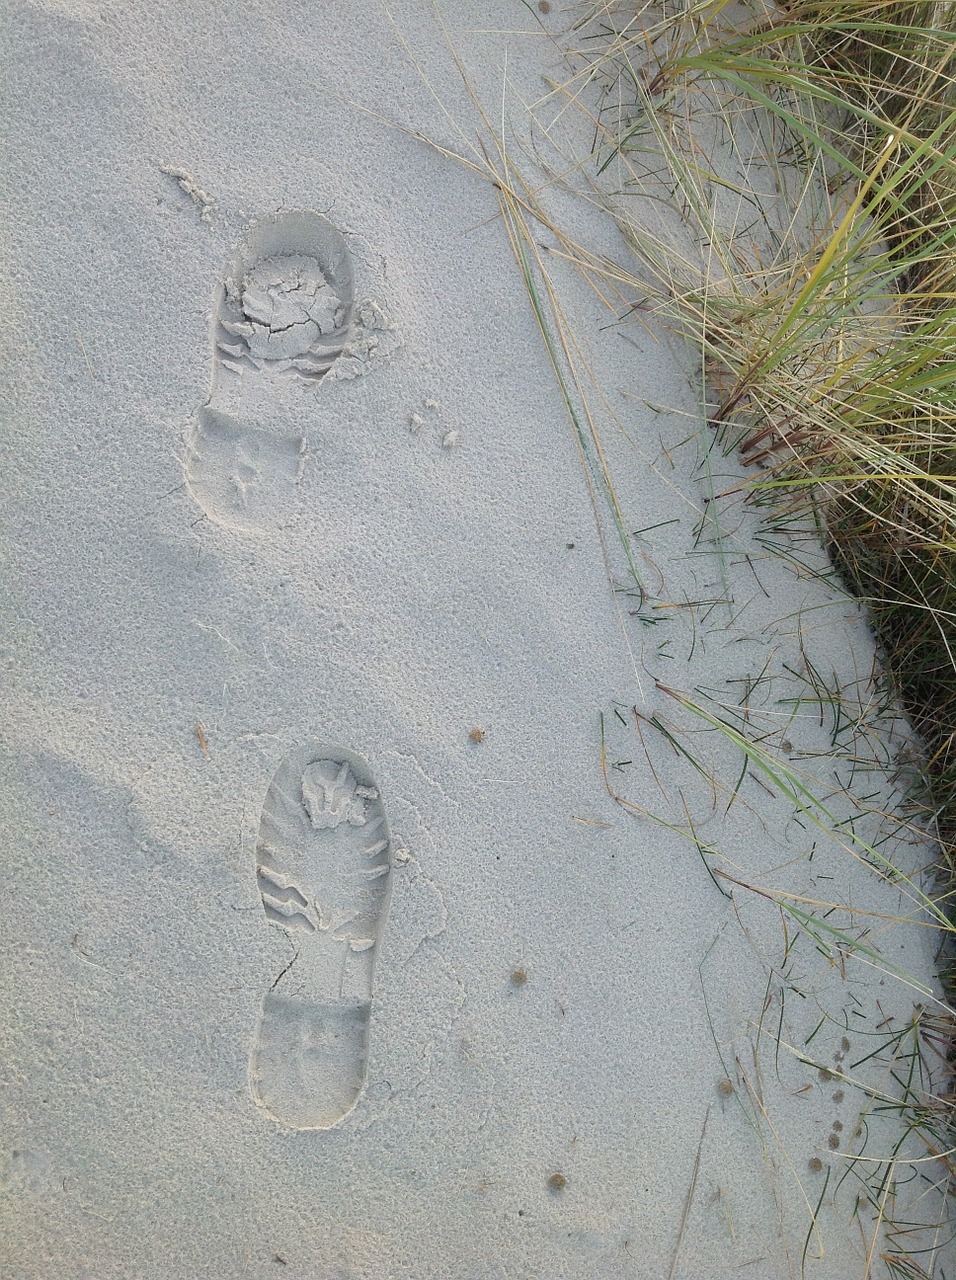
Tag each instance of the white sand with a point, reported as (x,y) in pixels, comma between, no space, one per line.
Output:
(356,571)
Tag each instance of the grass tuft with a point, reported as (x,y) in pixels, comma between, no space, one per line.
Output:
(809,154)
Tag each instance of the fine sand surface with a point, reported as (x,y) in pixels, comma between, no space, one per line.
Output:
(327,953)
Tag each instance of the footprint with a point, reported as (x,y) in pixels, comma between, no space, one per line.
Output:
(284,313)
(323,866)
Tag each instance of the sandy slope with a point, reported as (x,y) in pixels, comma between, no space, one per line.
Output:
(338,577)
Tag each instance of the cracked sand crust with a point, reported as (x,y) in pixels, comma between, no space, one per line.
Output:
(286,306)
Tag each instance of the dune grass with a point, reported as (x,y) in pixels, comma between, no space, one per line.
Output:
(827,326)
(799,165)
(804,158)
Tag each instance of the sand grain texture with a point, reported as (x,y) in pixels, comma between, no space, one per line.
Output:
(289,479)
